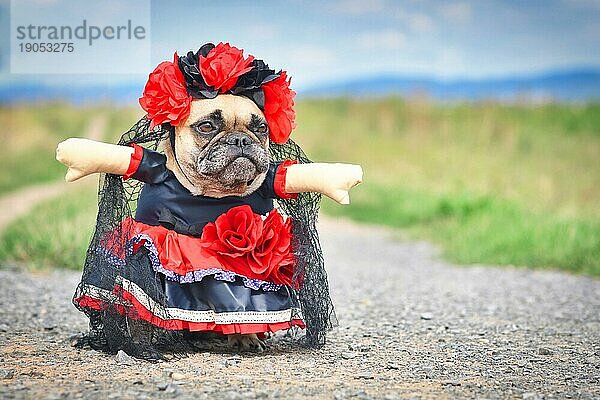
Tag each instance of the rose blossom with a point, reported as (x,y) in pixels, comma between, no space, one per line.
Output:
(273,246)
(243,243)
(279,108)
(165,97)
(233,233)
(223,65)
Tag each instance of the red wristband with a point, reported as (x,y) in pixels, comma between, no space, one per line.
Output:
(134,163)
(279,184)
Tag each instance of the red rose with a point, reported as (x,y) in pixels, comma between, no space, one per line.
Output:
(234,233)
(243,243)
(279,108)
(273,246)
(223,65)
(165,97)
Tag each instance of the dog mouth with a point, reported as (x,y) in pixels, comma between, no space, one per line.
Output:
(233,166)
(242,169)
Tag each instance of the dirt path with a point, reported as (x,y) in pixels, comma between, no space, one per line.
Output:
(19,203)
(411,326)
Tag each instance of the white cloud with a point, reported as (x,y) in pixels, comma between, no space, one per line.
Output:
(388,39)
(360,6)
(456,12)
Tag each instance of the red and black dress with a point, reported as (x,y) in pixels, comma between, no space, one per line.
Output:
(199,263)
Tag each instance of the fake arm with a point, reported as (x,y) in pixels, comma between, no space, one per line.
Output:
(85,157)
(332,180)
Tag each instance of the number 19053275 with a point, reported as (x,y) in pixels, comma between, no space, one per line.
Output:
(35,47)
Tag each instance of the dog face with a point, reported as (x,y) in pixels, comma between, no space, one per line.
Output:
(222,148)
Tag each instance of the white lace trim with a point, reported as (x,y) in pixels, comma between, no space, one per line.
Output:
(167,313)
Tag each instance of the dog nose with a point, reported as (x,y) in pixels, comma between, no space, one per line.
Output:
(238,139)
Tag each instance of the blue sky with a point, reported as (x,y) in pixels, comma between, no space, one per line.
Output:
(319,41)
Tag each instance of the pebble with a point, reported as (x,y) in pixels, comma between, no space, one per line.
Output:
(178,376)
(451,383)
(348,355)
(544,351)
(232,361)
(426,316)
(365,375)
(172,389)
(7,373)
(124,358)
(531,396)
(428,372)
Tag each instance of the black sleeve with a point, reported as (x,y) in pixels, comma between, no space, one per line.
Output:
(152,168)
(267,189)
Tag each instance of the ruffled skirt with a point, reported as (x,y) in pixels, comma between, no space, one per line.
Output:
(134,281)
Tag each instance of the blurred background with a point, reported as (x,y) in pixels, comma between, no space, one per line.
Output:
(477,123)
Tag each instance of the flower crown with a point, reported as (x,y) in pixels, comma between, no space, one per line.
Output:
(215,70)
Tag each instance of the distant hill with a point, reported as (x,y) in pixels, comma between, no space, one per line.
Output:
(570,85)
(78,94)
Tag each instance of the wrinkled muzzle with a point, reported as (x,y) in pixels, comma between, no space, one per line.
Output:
(233,159)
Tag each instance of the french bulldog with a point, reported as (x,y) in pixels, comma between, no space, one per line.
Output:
(221,149)
(212,177)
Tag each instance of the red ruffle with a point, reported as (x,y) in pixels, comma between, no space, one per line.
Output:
(134,163)
(280,177)
(183,254)
(138,311)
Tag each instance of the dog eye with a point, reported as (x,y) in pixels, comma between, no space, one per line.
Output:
(204,127)
(262,128)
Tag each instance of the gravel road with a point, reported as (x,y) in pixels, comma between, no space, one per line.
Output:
(411,326)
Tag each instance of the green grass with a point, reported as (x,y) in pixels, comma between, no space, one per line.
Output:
(545,157)
(30,135)
(55,233)
(489,183)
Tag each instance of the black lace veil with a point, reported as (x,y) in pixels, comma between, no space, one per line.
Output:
(115,325)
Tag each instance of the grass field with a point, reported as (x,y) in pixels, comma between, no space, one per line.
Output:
(30,134)
(55,234)
(490,183)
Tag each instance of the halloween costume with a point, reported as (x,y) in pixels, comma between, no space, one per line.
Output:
(178,232)
(163,261)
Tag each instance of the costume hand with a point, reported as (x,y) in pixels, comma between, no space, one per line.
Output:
(85,157)
(332,180)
